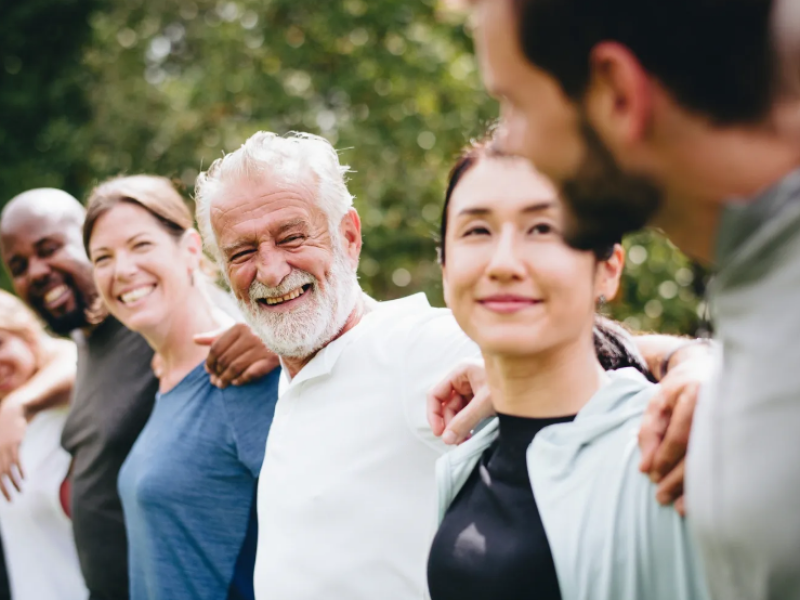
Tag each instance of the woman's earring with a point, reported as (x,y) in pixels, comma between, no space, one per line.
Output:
(601,301)
(191,277)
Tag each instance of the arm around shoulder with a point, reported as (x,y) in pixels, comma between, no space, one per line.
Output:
(52,384)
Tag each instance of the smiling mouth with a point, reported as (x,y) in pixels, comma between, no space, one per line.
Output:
(56,294)
(294,294)
(137,294)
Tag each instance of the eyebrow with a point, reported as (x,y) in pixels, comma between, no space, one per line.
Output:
(531,208)
(227,248)
(290,224)
(45,240)
(128,241)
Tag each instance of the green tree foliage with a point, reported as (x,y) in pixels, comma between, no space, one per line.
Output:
(172,84)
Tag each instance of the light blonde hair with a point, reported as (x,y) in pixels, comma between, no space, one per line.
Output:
(18,319)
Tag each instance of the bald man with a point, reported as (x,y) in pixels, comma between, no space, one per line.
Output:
(42,246)
(43,249)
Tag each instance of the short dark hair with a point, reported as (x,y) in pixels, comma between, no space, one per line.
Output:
(715,56)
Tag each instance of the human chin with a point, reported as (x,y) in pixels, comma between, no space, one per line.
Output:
(68,316)
(315,322)
(603,203)
(507,340)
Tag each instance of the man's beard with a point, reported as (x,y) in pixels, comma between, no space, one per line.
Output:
(67,323)
(303,332)
(603,202)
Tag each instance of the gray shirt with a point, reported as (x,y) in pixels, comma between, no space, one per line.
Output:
(743,476)
(114,394)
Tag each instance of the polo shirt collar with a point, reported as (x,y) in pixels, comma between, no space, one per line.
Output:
(324,361)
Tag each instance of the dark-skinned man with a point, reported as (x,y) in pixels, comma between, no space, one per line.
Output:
(40,239)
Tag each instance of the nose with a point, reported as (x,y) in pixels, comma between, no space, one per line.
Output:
(506,264)
(124,266)
(272,267)
(38,270)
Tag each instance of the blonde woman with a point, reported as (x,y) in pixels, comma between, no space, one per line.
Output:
(37,533)
(188,484)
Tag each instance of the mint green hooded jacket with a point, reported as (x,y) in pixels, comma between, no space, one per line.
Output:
(609,537)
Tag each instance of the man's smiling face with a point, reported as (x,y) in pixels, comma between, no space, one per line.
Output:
(49,267)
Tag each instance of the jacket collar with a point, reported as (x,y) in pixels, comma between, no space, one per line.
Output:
(616,401)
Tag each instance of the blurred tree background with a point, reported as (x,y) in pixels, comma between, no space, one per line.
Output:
(94,88)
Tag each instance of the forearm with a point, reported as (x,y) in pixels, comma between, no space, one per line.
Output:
(654,348)
(52,384)
(664,352)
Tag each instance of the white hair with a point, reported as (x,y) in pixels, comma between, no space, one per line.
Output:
(288,157)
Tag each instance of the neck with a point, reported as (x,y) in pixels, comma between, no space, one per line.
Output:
(364,304)
(553,384)
(175,345)
(717,167)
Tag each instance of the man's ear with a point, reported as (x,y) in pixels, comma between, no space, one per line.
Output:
(619,99)
(609,273)
(350,231)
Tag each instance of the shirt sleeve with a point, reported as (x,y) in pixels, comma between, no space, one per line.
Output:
(250,409)
(433,346)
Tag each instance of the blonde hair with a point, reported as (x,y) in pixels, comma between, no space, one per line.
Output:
(18,319)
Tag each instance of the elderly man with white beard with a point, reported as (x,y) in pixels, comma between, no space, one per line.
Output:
(346,498)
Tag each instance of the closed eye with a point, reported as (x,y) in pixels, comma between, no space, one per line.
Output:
(293,239)
(47,250)
(17,267)
(241,255)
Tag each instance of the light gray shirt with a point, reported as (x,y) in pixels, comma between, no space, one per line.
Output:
(743,475)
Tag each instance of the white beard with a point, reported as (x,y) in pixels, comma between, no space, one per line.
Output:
(304,331)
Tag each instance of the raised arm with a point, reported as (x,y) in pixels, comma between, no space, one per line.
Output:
(50,386)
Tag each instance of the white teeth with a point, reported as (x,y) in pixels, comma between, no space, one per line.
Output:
(137,294)
(290,296)
(55,293)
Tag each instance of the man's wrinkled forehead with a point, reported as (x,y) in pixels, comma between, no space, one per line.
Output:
(265,192)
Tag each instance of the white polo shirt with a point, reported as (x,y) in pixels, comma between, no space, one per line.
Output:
(347,494)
